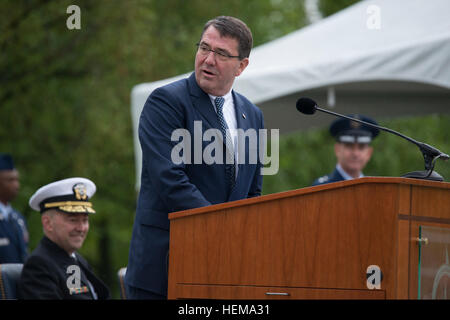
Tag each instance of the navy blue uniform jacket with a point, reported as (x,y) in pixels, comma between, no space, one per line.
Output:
(335,176)
(167,187)
(44,275)
(13,248)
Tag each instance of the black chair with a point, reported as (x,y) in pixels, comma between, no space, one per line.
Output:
(9,277)
(121,275)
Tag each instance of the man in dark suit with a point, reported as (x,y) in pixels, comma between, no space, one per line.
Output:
(13,229)
(352,148)
(55,270)
(202,102)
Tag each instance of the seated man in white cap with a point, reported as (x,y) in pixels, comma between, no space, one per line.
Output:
(55,270)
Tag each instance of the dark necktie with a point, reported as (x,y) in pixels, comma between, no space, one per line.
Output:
(230,168)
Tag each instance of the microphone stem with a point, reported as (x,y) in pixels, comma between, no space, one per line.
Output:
(373,125)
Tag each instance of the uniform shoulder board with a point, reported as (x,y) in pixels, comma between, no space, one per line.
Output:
(323,179)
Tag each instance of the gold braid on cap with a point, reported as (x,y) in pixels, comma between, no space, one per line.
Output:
(71,206)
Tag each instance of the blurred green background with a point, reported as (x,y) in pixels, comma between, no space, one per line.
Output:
(65,102)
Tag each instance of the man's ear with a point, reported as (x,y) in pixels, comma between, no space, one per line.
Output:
(370,151)
(242,65)
(46,219)
(337,146)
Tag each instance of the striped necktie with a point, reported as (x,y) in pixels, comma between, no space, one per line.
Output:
(230,168)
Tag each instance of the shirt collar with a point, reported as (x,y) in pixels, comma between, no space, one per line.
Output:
(5,210)
(344,174)
(226,96)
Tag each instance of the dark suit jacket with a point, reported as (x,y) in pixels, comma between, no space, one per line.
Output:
(45,276)
(167,187)
(13,248)
(335,176)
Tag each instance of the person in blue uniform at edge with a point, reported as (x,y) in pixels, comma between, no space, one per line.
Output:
(13,228)
(352,148)
(206,96)
(55,270)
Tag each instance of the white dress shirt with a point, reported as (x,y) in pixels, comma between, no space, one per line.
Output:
(5,211)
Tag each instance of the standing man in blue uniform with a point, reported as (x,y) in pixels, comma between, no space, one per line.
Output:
(352,148)
(13,229)
(203,101)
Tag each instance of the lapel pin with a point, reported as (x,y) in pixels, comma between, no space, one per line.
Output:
(243,116)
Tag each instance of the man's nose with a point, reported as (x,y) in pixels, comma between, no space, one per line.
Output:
(210,58)
(356,150)
(82,226)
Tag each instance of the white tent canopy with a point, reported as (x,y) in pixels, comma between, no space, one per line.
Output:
(396,49)
(412,44)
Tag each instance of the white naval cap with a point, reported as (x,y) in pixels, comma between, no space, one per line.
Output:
(69,195)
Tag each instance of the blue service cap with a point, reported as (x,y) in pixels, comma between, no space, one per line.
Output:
(348,131)
(6,162)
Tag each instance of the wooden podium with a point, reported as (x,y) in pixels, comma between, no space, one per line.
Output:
(310,243)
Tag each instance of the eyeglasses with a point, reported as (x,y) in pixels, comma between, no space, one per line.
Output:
(221,55)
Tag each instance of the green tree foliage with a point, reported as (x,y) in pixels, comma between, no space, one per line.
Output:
(305,156)
(65,94)
(329,7)
(65,101)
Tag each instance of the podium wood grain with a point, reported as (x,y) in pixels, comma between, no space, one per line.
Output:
(315,242)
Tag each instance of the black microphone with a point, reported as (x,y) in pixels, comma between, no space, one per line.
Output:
(306,106)
(430,153)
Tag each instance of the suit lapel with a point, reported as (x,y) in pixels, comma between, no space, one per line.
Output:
(336,176)
(87,276)
(241,114)
(202,103)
